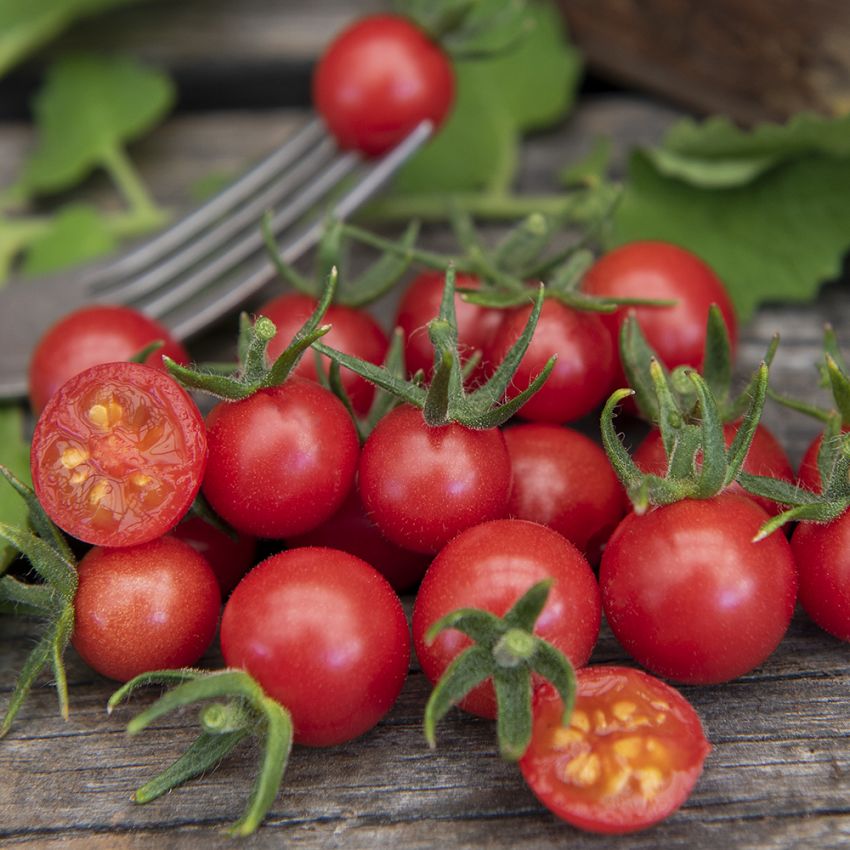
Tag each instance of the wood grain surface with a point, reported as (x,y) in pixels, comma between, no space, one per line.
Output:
(779,773)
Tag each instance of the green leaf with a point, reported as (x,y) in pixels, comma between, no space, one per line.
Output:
(77,233)
(775,239)
(717,153)
(88,108)
(15,455)
(27,24)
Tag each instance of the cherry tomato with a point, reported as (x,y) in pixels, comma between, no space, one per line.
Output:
(422,485)
(229,558)
(809,473)
(378,80)
(822,552)
(92,335)
(491,566)
(563,479)
(148,607)
(765,457)
(583,373)
(118,454)
(325,635)
(354,332)
(690,596)
(629,758)
(421,303)
(351,530)
(281,460)
(662,271)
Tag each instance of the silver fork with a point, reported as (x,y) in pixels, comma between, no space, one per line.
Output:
(210,261)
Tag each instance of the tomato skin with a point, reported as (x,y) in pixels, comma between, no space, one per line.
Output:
(765,457)
(229,559)
(690,597)
(325,635)
(809,473)
(378,80)
(148,607)
(422,485)
(562,479)
(491,566)
(625,807)
(649,269)
(351,530)
(421,303)
(354,332)
(95,334)
(822,552)
(583,372)
(118,454)
(281,460)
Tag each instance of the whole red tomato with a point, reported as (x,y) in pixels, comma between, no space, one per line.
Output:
(354,332)
(822,552)
(662,271)
(421,303)
(690,596)
(632,752)
(144,607)
(378,80)
(765,457)
(229,558)
(421,485)
(490,567)
(118,454)
(91,335)
(562,479)
(325,635)
(281,460)
(583,373)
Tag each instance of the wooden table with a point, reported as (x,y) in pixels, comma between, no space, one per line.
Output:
(779,773)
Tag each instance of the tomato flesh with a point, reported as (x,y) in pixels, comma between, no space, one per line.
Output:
(630,756)
(118,454)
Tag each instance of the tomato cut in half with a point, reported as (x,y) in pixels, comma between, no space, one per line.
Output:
(118,454)
(631,755)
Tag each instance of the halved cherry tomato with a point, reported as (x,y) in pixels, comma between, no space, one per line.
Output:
(630,756)
(118,454)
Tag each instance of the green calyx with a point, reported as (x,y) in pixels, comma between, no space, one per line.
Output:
(636,356)
(252,373)
(506,651)
(241,708)
(698,463)
(445,399)
(51,600)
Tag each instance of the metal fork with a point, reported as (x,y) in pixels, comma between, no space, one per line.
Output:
(210,261)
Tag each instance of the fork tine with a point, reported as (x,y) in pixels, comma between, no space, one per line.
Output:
(134,289)
(212,303)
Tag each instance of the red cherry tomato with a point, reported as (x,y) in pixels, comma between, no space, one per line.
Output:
(690,596)
(325,635)
(629,758)
(351,530)
(662,271)
(281,460)
(822,552)
(229,558)
(92,335)
(583,373)
(563,479)
(421,303)
(422,485)
(765,457)
(491,566)
(118,454)
(354,332)
(378,80)
(148,607)
(809,473)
